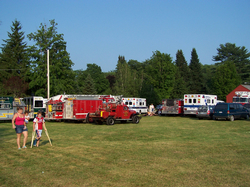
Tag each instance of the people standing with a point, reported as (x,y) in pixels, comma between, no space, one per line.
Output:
(18,123)
(38,124)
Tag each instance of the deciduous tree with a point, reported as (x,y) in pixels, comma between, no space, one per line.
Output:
(61,73)
(225,79)
(160,72)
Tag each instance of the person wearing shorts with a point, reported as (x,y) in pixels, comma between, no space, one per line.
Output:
(18,123)
(38,124)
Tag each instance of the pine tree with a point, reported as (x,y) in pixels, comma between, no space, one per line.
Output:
(101,83)
(238,55)
(182,65)
(196,77)
(89,86)
(14,59)
(61,73)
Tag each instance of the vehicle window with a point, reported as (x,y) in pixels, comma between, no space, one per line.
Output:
(247,105)
(236,99)
(38,103)
(130,103)
(240,107)
(208,100)
(5,105)
(189,100)
(170,102)
(194,100)
(221,107)
(212,101)
(126,103)
(125,108)
(236,106)
(243,100)
(231,107)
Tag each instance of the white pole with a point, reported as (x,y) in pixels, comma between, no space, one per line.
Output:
(48,73)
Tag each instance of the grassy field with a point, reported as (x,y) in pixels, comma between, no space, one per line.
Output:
(159,151)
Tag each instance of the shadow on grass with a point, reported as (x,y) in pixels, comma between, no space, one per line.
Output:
(42,142)
(4,132)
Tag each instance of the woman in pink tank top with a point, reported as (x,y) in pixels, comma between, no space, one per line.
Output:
(18,123)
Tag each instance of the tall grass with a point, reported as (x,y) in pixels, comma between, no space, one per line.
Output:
(159,151)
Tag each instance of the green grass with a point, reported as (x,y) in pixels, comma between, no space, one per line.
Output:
(159,151)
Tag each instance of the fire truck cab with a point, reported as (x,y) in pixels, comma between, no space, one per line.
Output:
(112,112)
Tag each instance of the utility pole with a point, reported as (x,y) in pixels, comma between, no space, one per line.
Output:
(48,74)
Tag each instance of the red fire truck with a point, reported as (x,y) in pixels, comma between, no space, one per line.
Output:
(112,112)
(241,97)
(172,106)
(74,107)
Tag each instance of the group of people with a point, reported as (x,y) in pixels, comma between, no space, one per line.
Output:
(151,110)
(19,123)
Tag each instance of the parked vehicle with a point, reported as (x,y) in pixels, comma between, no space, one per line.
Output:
(193,101)
(241,97)
(205,111)
(8,107)
(137,104)
(230,111)
(172,106)
(35,104)
(75,107)
(112,112)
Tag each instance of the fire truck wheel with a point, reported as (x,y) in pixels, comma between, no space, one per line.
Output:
(110,121)
(135,119)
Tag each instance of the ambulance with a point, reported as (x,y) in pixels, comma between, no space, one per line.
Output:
(193,101)
(137,104)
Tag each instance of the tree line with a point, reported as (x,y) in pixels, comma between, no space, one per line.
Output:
(24,70)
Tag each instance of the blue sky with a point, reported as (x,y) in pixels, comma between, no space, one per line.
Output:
(98,31)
